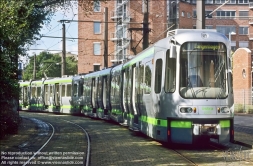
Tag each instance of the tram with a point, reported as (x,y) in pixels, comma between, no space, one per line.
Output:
(177,90)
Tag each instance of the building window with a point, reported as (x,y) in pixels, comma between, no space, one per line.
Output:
(207,14)
(182,14)
(244,44)
(232,2)
(209,27)
(233,45)
(97,6)
(97,27)
(96,67)
(243,15)
(194,14)
(97,48)
(225,14)
(223,1)
(243,1)
(208,1)
(243,30)
(226,29)
(220,1)
(188,15)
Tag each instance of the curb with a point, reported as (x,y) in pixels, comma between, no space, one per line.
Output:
(243,144)
(243,114)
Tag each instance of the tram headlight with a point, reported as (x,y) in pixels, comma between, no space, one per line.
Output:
(224,110)
(186,110)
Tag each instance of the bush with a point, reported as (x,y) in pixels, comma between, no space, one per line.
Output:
(9,120)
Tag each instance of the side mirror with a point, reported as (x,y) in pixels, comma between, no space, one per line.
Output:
(173,51)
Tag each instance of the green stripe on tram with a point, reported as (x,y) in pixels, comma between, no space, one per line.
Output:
(154,121)
(142,55)
(62,106)
(181,124)
(224,123)
(116,111)
(69,80)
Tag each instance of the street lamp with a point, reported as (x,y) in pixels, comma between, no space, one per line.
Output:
(229,35)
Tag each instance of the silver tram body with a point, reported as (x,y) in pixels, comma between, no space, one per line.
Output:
(180,88)
(177,90)
(57,95)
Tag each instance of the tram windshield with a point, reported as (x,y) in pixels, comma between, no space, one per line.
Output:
(203,70)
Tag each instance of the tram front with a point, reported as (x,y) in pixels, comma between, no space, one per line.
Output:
(205,108)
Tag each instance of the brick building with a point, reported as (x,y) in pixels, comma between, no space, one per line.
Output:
(233,18)
(124,31)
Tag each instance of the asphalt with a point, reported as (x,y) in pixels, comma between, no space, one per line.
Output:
(27,128)
(243,138)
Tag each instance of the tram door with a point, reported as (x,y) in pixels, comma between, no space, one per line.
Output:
(134,95)
(125,93)
(25,96)
(57,95)
(157,81)
(46,95)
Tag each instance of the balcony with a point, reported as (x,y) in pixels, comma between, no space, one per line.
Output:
(251,21)
(117,58)
(121,58)
(124,15)
(115,36)
(116,15)
(251,36)
(251,5)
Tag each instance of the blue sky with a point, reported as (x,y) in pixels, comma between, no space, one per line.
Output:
(54,28)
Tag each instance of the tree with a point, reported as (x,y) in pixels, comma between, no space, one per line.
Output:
(20,23)
(50,64)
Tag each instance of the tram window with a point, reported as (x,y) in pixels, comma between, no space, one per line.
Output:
(63,90)
(21,94)
(112,84)
(46,93)
(158,75)
(25,93)
(51,91)
(75,90)
(33,92)
(69,89)
(99,86)
(80,89)
(148,75)
(38,91)
(118,82)
(170,73)
(141,77)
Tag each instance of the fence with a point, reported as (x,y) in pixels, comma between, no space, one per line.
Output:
(243,100)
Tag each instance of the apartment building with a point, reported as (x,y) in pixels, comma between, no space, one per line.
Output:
(234,19)
(125,31)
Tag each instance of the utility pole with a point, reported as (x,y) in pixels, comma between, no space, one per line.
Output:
(34,67)
(145,24)
(200,22)
(63,66)
(106,38)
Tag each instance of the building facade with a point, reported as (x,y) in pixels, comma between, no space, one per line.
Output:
(125,23)
(125,31)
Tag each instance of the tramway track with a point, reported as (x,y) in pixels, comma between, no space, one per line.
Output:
(65,142)
(245,129)
(42,126)
(233,151)
(184,157)
(87,159)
